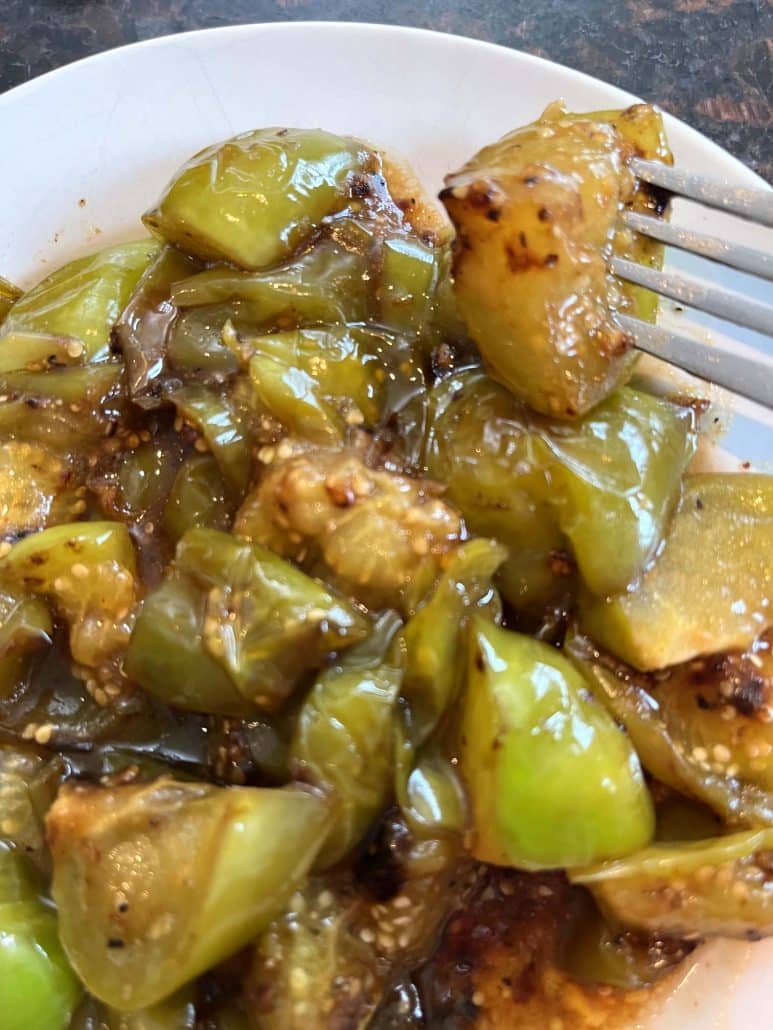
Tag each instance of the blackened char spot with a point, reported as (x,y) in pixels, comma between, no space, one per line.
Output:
(749,695)
(359,187)
(380,866)
(657,198)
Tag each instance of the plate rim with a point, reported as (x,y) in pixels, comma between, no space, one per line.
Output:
(734,167)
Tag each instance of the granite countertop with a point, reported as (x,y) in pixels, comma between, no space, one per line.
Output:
(708,61)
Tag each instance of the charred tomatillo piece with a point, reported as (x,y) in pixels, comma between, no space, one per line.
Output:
(599,950)
(86,386)
(151,881)
(536,215)
(36,488)
(68,316)
(679,611)
(700,727)
(255,198)
(552,780)
(715,887)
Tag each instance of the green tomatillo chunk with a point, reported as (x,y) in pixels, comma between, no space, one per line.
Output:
(552,780)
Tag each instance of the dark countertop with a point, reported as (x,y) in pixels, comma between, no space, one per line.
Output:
(708,61)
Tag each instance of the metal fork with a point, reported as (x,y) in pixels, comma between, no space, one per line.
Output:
(746,376)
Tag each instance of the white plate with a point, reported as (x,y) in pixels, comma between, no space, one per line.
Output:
(87,148)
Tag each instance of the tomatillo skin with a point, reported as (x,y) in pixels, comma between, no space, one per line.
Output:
(552,780)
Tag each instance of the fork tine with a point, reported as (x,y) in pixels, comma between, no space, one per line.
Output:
(756,205)
(745,376)
(728,304)
(745,259)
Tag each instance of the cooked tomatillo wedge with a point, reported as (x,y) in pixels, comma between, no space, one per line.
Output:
(88,570)
(616,479)
(316,382)
(702,728)
(711,588)
(143,328)
(711,887)
(238,608)
(199,498)
(266,622)
(29,780)
(325,285)
(145,477)
(552,780)
(598,950)
(365,529)
(253,199)
(68,411)
(85,386)
(344,736)
(9,294)
(40,989)
(222,428)
(167,655)
(435,636)
(537,215)
(158,882)
(482,445)
(410,271)
(35,489)
(68,316)
(601,488)
(175,1013)
(359,270)
(25,623)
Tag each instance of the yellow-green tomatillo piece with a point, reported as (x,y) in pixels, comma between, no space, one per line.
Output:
(199,498)
(711,587)
(9,294)
(253,199)
(39,990)
(344,737)
(77,306)
(537,214)
(719,886)
(552,780)
(88,570)
(156,883)
(317,381)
